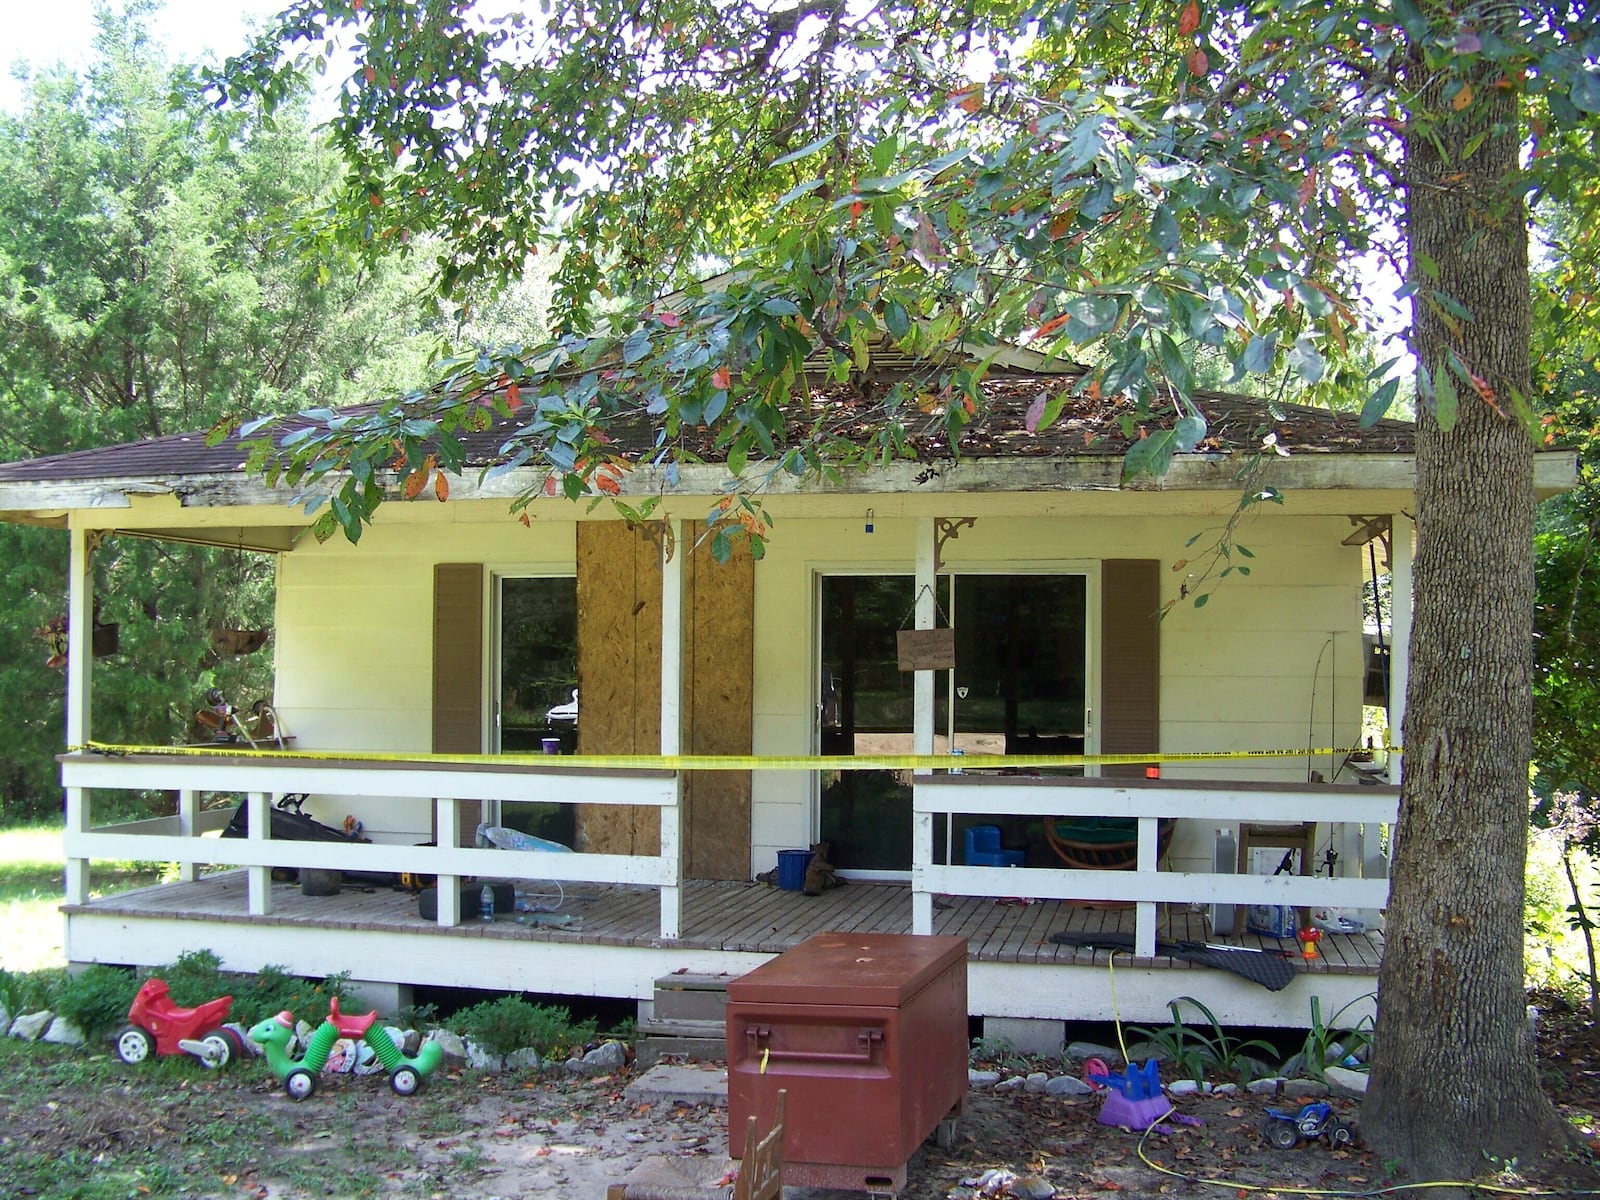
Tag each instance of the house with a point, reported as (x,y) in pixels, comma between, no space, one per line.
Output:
(420,670)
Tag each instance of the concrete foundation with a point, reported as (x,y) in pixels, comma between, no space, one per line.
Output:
(1027,1035)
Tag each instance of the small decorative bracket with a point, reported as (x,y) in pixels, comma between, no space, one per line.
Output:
(1379,528)
(93,539)
(947,529)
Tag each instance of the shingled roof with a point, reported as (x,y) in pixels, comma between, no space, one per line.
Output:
(1086,428)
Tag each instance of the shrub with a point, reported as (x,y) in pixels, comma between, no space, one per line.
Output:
(96,1000)
(30,991)
(196,977)
(512,1023)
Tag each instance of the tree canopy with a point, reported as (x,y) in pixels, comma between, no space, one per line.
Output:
(145,291)
(1121,184)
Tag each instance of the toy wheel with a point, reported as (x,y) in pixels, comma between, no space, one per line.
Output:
(1339,1134)
(1280,1133)
(944,1133)
(299,1083)
(134,1045)
(405,1081)
(222,1048)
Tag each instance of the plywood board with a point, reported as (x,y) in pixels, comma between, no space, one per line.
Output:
(458,671)
(619,672)
(719,685)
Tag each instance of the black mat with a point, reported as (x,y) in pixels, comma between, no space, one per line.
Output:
(1270,968)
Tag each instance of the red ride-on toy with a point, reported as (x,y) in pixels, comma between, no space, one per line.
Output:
(157,1025)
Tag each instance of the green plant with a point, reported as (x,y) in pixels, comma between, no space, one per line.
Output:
(1357,1039)
(511,1023)
(625,1030)
(1193,1052)
(96,1000)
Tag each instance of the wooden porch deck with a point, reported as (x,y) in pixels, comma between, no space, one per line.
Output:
(725,916)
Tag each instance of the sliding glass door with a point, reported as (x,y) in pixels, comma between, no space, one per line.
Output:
(1021,685)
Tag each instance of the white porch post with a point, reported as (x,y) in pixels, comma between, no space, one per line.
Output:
(80,660)
(188,810)
(258,811)
(447,820)
(673,551)
(922,730)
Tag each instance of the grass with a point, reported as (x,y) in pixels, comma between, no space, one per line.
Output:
(31,894)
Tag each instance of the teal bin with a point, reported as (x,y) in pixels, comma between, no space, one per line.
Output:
(792,866)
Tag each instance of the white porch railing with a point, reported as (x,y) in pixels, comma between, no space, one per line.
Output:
(261,779)
(938,797)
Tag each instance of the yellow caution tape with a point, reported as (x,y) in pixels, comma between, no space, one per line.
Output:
(716,762)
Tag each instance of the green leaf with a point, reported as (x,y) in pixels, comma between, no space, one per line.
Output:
(1306,361)
(1190,432)
(1378,403)
(1260,354)
(1202,599)
(1444,401)
(896,320)
(805,151)
(1585,94)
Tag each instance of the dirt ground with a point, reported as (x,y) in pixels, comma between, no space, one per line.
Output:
(470,1136)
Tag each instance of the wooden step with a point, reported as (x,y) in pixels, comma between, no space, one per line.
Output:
(702,1041)
(690,997)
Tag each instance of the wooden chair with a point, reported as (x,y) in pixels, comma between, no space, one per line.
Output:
(759,1176)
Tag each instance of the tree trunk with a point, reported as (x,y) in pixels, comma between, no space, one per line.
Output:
(1454,1076)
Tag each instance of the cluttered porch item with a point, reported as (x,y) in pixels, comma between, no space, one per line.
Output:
(757,1175)
(1270,968)
(1104,843)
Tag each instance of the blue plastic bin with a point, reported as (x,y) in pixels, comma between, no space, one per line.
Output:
(792,866)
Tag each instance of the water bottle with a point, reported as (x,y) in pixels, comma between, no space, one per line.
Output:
(486,903)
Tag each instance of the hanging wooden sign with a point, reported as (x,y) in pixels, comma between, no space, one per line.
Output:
(926,649)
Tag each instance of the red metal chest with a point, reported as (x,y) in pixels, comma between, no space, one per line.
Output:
(868,1032)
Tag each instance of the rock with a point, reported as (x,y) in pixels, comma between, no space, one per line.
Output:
(409,1040)
(29,1026)
(1031,1187)
(1083,1051)
(1264,1087)
(1305,1089)
(1188,1087)
(1067,1085)
(982,1081)
(1034,1083)
(1295,1066)
(303,1031)
(1344,1082)
(605,1058)
(455,1050)
(602,1060)
(526,1059)
(1143,1052)
(481,1058)
(1225,1089)
(63,1033)
(5,1017)
(1013,1084)
(1333,1053)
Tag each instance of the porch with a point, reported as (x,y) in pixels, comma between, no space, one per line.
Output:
(613,947)
(637,918)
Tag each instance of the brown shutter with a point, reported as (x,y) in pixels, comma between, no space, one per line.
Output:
(458,670)
(1130,659)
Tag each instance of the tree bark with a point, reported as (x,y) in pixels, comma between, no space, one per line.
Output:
(1455,1077)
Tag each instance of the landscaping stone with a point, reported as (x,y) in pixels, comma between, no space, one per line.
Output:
(1067,1085)
(1083,1051)
(409,1040)
(982,1081)
(29,1026)
(1034,1083)
(1187,1087)
(1305,1089)
(455,1050)
(5,1017)
(1013,1084)
(481,1058)
(526,1059)
(63,1032)
(1347,1083)
(602,1060)
(1225,1089)
(1265,1087)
